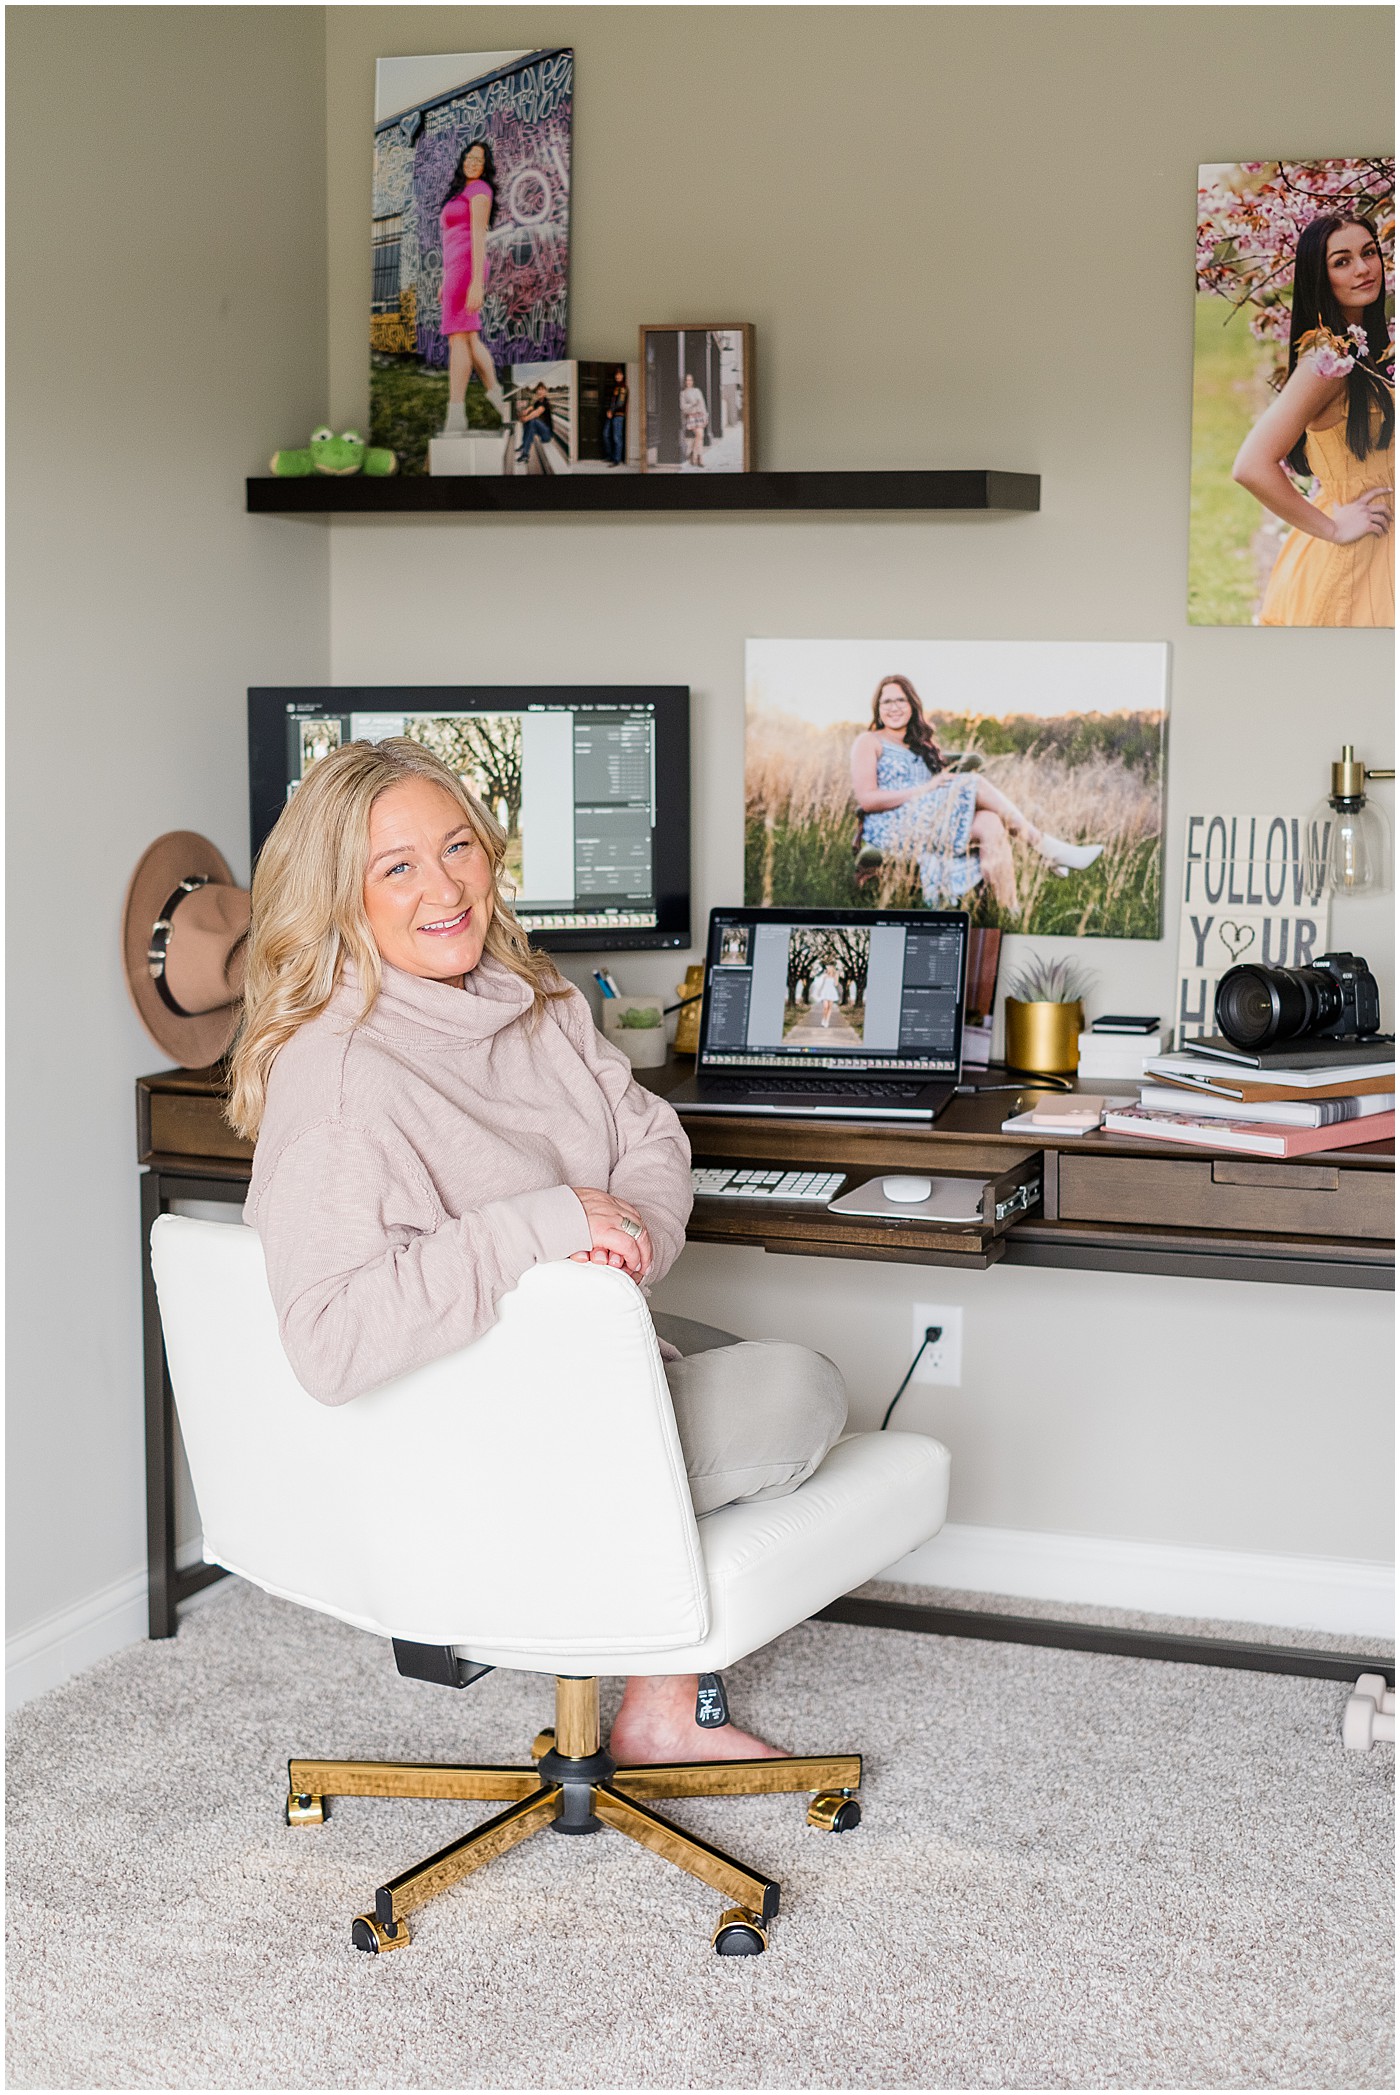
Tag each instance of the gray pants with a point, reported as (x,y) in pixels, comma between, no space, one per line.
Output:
(754,1419)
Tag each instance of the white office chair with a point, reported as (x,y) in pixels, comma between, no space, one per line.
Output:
(521,1503)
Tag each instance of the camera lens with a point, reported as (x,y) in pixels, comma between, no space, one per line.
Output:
(1261,1006)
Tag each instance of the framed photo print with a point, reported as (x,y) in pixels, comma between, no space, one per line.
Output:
(697,399)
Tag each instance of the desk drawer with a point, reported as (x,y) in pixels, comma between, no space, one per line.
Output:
(186,1124)
(1011,1187)
(1242,1194)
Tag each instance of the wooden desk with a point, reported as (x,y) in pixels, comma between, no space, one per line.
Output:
(1096,1202)
(1107,1203)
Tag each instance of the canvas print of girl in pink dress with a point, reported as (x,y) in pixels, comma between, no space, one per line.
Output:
(470,244)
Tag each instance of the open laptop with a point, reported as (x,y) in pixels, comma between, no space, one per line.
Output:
(852,1013)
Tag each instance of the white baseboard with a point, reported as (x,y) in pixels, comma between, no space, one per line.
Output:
(1339,1594)
(74,1638)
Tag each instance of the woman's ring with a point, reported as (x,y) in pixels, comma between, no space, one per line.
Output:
(630,1226)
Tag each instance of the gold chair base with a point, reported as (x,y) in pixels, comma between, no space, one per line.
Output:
(580,1789)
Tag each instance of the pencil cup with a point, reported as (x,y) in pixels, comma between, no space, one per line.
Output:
(635,1024)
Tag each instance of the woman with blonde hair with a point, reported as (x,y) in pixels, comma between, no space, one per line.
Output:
(434,1113)
(825,993)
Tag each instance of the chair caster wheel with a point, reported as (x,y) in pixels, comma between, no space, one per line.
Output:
(543,1743)
(304,1810)
(739,1935)
(833,1813)
(367,1934)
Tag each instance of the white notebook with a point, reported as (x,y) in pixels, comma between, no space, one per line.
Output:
(1278,1112)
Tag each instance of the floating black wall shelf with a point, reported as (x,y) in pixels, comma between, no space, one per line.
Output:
(619,494)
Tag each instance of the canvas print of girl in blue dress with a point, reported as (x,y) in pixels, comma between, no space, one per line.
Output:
(1020,781)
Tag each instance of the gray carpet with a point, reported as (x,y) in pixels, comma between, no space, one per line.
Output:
(1074,1872)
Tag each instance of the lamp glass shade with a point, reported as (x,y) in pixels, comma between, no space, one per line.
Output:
(1348,847)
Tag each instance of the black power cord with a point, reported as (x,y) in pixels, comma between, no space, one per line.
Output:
(1026,1083)
(932,1335)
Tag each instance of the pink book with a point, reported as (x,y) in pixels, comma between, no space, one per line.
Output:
(1257,1138)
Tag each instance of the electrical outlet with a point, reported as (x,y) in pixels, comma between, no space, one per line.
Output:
(942,1361)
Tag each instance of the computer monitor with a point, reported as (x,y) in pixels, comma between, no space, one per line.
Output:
(828,991)
(590,782)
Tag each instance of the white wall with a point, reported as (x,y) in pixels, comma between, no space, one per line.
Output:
(1000,202)
(166,294)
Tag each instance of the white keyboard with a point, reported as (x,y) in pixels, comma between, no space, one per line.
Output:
(810,1187)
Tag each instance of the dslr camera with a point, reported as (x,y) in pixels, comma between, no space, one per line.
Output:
(1337,998)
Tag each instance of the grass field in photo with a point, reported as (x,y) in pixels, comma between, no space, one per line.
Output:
(1082,776)
(408,406)
(1232,547)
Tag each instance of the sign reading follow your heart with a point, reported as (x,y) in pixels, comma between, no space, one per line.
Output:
(1246,895)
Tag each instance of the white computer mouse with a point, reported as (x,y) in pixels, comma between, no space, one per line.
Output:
(906,1189)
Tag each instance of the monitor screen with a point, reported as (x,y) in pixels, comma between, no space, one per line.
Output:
(590,783)
(819,990)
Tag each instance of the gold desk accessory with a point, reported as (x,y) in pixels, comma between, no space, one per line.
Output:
(687,1041)
(1043,1038)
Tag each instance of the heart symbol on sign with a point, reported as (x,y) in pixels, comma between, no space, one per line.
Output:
(1242,939)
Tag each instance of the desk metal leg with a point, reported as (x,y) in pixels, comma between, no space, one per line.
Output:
(160,1430)
(1121,1643)
(166,1585)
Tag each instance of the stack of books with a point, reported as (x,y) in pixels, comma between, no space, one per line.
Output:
(1280,1102)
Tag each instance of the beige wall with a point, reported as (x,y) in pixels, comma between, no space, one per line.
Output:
(965,236)
(166,295)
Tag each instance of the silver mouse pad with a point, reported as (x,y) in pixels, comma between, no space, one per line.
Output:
(949,1200)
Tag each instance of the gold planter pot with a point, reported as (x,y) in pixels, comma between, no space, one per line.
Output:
(1043,1038)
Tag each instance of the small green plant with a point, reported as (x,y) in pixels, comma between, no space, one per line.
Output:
(640,1015)
(1043,981)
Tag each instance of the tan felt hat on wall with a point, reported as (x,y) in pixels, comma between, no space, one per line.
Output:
(184,937)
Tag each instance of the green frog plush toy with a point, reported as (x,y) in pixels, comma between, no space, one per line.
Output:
(329,453)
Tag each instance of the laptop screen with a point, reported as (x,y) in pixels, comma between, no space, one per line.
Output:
(822,991)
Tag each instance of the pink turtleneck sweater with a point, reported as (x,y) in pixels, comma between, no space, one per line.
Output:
(409,1170)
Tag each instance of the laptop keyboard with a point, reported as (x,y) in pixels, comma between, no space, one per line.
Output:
(816,1187)
(849,1087)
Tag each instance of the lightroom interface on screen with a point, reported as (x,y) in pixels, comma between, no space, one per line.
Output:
(883,996)
(574,790)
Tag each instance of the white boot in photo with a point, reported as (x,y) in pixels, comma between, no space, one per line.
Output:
(1067,858)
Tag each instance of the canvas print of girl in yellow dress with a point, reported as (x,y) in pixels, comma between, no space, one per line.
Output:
(1293,434)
